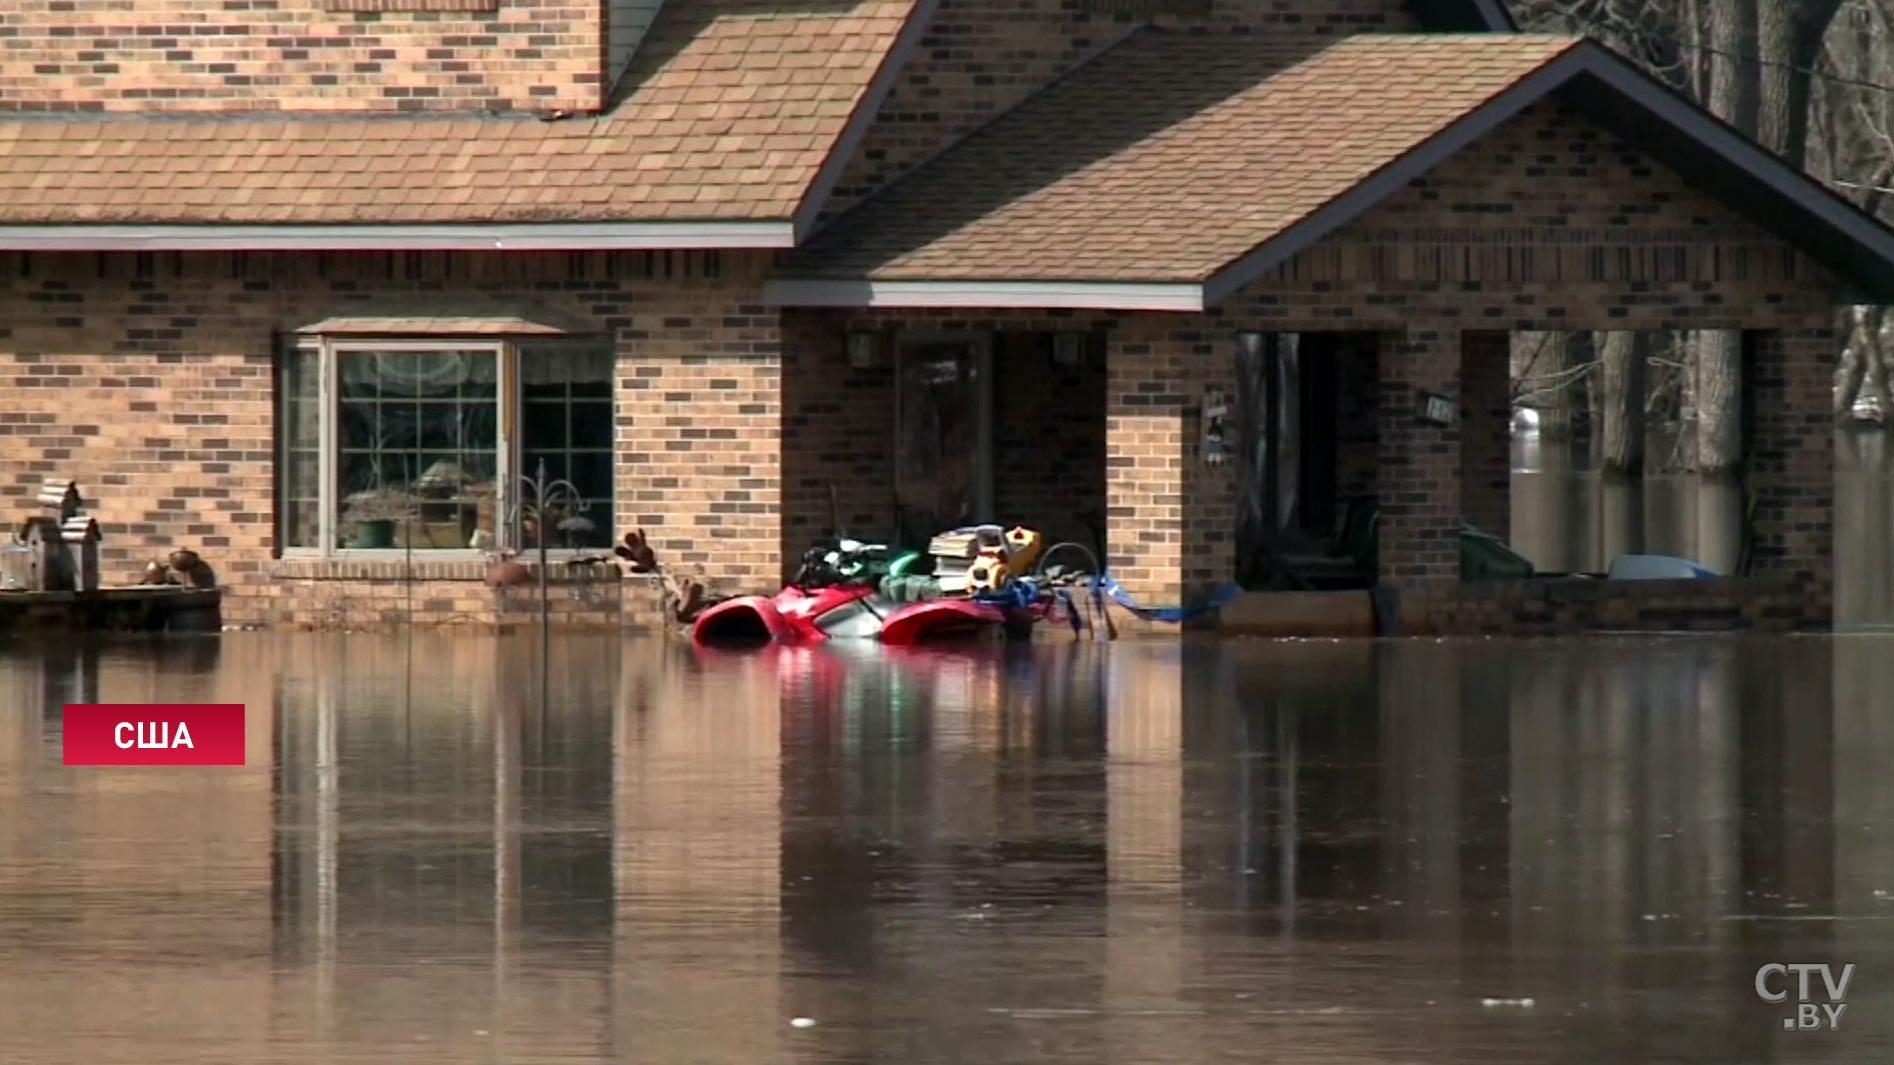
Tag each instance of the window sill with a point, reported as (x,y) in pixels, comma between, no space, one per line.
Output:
(457,566)
(485,7)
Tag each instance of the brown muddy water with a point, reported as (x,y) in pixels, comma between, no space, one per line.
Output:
(1558,515)
(1309,852)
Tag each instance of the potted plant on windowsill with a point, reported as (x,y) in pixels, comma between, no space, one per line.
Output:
(375,514)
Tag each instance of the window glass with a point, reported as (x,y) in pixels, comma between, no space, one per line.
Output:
(566,422)
(299,439)
(410,447)
(418,444)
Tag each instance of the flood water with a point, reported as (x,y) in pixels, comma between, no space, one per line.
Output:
(1557,517)
(1310,852)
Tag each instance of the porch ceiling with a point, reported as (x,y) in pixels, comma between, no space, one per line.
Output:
(1173,170)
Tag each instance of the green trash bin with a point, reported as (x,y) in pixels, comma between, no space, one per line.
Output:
(1485,557)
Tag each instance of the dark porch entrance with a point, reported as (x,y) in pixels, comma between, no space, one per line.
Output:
(897,433)
(1314,476)
(1306,462)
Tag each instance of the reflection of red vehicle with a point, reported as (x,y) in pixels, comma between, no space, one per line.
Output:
(796,615)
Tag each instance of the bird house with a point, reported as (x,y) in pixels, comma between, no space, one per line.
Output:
(81,537)
(48,566)
(59,498)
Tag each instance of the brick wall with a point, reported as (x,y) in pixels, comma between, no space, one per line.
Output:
(149,379)
(1791,457)
(368,596)
(1049,428)
(301,55)
(840,420)
(1547,223)
(1170,517)
(1355,416)
(1486,419)
(1770,603)
(1418,468)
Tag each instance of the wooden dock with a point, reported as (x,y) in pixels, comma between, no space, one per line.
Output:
(139,608)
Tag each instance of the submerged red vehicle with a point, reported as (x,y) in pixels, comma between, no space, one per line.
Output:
(850,611)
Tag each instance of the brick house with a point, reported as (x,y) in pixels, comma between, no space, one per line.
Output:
(272,270)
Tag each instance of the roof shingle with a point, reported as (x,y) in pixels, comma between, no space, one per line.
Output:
(1168,157)
(732,107)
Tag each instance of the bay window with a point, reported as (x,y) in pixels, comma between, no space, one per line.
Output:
(433,445)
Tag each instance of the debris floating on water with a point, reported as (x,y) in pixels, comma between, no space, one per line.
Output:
(1516,1003)
(802,1022)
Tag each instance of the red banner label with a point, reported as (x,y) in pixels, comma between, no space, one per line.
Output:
(153,733)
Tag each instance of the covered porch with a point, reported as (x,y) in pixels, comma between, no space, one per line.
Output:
(1229,318)
(1192,452)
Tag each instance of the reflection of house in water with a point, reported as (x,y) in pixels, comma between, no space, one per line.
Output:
(1527,820)
(944,850)
(87,854)
(431,811)
(696,833)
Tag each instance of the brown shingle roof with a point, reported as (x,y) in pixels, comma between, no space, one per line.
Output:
(733,105)
(1168,157)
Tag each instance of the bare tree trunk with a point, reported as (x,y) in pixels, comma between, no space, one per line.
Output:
(1719,510)
(1789,33)
(1719,386)
(1863,362)
(1621,365)
(1735,83)
(1569,355)
(1546,369)
(1696,57)
(1715,357)
(1869,323)
(1621,357)
(1849,376)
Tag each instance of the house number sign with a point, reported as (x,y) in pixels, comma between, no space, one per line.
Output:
(1436,409)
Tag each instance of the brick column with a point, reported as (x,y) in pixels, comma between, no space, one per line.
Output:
(1356,445)
(699,437)
(1486,414)
(1170,519)
(1418,475)
(1791,459)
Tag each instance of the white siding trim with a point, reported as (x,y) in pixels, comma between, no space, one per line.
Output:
(1047,295)
(577,236)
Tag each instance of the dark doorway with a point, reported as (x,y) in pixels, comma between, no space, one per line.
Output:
(1287,403)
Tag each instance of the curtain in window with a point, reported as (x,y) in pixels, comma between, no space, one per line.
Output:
(566,422)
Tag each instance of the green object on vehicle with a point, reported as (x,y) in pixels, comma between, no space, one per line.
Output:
(910,563)
(1484,557)
(913,588)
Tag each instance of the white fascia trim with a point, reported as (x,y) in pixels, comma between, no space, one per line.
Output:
(1046,295)
(525,236)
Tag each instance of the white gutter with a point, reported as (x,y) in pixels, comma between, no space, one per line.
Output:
(1045,295)
(521,236)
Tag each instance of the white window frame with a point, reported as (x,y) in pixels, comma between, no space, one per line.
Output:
(507,472)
